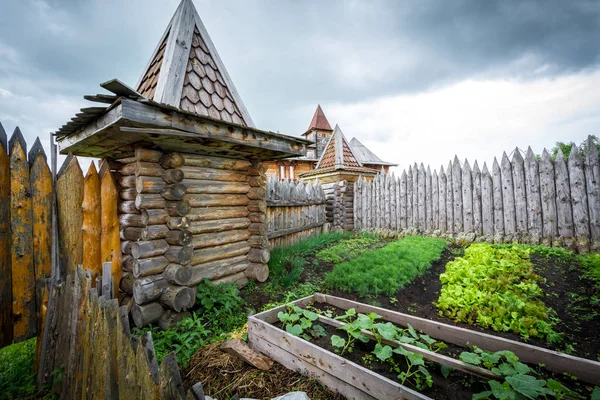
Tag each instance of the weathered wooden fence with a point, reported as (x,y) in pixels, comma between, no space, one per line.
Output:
(86,222)
(526,199)
(295,211)
(88,342)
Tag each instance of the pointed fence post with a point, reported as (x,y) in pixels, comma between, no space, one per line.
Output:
(477,222)
(435,201)
(443,223)
(457,196)
(508,199)
(6,331)
(534,203)
(428,200)
(403,201)
(563,201)
(579,201)
(548,199)
(487,203)
(467,197)
(498,202)
(518,172)
(449,199)
(592,176)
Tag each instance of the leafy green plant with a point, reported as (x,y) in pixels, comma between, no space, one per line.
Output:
(17,379)
(516,380)
(497,288)
(386,270)
(300,322)
(591,267)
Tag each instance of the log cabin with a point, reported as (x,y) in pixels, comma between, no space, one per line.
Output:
(189,164)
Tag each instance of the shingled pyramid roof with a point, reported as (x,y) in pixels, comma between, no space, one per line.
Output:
(185,71)
(338,152)
(366,156)
(319,121)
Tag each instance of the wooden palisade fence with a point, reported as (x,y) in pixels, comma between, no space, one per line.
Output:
(88,342)
(295,211)
(526,199)
(86,223)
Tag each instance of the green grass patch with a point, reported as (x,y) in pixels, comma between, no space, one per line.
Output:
(17,379)
(287,263)
(347,249)
(385,271)
(496,287)
(591,267)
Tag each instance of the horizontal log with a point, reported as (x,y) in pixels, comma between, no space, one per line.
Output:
(217,269)
(178,208)
(153,232)
(148,155)
(148,169)
(148,288)
(169,319)
(240,279)
(181,237)
(126,246)
(257,206)
(128,194)
(126,160)
(258,169)
(257,228)
(219,225)
(194,160)
(149,184)
(257,193)
(127,263)
(149,266)
(258,242)
(126,283)
(257,272)
(194,186)
(172,160)
(128,207)
(215,213)
(257,180)
(211,174)
(257,217)
(146,249)
(178,274)
(261,256)
(209,254)
(178,223)
(132,234)
(156,216)
(127,181)
(126,301)
(178,298)
(127,169)
(126,220)
(216,239)
(289,231)
(173,192)
(148,201)
(180,254)
(174,175)
(215,200)
(147,314)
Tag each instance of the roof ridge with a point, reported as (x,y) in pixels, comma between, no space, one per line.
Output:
(186,71)
(319,120)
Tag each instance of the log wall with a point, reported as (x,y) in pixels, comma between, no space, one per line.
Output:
(295,211)
(523,199)
(339,210)
(185,218)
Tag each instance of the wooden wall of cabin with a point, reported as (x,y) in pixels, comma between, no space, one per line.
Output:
(186,218)
(299,167)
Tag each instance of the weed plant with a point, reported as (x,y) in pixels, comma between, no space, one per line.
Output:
(591,267)
(385,271)
(496,287)
(347,249)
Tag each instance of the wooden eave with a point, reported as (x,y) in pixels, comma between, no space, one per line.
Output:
(129,123)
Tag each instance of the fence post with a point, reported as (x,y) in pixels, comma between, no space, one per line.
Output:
(6,331)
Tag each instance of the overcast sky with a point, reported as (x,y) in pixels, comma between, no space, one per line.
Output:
(415,81)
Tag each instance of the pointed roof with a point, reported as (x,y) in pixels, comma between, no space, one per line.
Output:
(185,71)
(366,156)
(319,121)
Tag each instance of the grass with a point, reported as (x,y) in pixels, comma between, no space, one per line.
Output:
(385,271)
(348,249)
(591,267)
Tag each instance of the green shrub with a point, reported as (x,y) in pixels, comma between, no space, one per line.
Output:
(346,250)
(496,287)
(386,270)
(17,379)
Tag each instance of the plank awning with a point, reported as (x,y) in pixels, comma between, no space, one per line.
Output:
(185,99)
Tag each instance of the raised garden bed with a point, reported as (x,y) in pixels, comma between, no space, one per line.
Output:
(357,382)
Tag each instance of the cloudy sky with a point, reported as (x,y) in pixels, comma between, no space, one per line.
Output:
(415,81)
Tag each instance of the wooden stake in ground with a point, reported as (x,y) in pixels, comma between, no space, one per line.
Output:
(5,253)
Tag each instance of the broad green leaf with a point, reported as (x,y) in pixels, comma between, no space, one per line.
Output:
(295,330)
(337,341)
(318,331)
(387,330)
(412,331)
(305,323)
(502,392)
(470,358)
(311,315)
(558,388)
(382,352)
(446,370)
(482,395)
(596,393)
(505,370)
(363,338)
(521,368)
(294,317)
(527,385)
(283,317)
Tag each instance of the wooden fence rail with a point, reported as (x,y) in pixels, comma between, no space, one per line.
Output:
(295,211)
(525,199)
(87,340)
(27,194)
